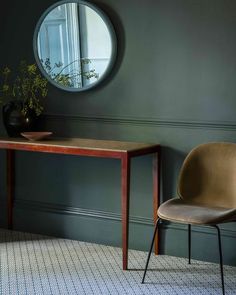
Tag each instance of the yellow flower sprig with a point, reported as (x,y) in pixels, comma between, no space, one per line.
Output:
(27,86)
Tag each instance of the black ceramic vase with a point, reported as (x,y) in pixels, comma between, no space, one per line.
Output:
(15,121)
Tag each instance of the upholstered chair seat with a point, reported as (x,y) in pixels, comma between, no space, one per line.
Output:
(181,211)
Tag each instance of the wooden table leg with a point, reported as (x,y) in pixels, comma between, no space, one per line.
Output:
(156,194)
(10,187)
(125,193)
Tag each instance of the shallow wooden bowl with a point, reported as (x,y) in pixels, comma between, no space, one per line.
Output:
(36,135)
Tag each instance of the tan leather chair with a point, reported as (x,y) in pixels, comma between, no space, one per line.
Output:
(206,192)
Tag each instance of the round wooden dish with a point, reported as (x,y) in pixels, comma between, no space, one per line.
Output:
(36,135)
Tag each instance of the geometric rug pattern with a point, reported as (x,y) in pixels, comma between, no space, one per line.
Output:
(34,264)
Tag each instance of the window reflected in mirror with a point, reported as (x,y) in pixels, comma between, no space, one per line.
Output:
(74,46)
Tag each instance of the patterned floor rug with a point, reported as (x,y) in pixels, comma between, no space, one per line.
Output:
(34,264)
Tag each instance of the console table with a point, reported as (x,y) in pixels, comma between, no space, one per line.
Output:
(123,151)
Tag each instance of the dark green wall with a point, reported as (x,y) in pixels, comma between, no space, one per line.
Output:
(173,83)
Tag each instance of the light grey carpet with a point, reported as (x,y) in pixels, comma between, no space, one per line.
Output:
(35,264)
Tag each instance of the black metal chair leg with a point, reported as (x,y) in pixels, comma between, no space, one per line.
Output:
(189,243)
(221,259)
(150,251)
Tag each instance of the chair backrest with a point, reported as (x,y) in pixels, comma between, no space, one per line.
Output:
(208,175)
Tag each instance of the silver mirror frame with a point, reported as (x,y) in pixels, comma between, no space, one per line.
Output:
(113,45)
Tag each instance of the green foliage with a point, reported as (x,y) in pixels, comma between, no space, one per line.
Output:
(62,74)
(27,86)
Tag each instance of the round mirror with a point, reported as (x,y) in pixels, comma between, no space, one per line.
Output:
(74,45)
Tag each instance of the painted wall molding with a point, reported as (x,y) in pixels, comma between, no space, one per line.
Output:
(69,210)
(153,122)
(200,229)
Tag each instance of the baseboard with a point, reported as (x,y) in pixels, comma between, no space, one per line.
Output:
(98,214)
(199,229)
(69,210)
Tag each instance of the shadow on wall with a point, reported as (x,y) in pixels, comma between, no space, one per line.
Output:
(2,189)
(172,161)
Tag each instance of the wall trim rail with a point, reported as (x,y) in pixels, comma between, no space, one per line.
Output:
(222,125)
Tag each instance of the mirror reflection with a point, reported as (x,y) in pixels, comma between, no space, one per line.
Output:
(74,45)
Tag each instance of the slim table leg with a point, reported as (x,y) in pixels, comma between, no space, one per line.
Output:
(125,192)
(10,187)
(156,194)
